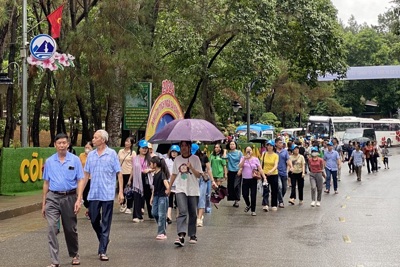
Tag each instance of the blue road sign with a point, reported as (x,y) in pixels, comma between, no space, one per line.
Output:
(42,47)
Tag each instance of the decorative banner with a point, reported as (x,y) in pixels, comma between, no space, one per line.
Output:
(166,108)
(137,106)
(56,62)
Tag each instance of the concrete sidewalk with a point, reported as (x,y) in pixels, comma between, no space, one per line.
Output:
(20,204)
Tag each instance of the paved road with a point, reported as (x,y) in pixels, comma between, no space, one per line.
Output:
(358,227)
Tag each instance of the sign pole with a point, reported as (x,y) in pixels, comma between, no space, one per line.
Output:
(24,122)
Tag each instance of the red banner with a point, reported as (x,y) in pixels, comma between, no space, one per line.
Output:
(55,21)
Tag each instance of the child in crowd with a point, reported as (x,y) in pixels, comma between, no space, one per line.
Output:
(385,154)
(159,197)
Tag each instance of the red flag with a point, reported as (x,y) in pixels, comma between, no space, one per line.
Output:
(55,21)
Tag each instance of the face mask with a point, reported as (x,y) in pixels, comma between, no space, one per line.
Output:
(314,154)
(87,150)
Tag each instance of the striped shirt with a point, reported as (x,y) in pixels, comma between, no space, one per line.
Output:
(103,170)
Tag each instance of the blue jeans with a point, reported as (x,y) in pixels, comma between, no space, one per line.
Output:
(282,186)
(328,179)
(101,221)
(203,185)
(159,212)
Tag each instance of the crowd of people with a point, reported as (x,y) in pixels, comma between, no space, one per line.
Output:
(183,180)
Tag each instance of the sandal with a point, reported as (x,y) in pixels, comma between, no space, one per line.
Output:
(103,257)
(76,261)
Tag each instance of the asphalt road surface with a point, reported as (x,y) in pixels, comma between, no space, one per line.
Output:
(360,226)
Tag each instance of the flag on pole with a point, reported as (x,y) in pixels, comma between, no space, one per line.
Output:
(55,21)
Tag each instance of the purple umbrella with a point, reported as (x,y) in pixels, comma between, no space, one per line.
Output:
(187,130)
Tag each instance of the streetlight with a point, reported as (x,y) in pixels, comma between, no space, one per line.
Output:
(236,106)
(5,81)
(248,90)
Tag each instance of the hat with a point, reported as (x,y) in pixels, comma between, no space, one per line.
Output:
(271,143)
(149,145)
(143,143)
(314,149)
(175,148)
(195,147)
(330,143)
(294,146)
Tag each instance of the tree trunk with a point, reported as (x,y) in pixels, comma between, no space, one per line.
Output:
(113,119)
(96,111)
(10,120)
(60,118)
(35,129)
(52,115)
(207,101)
(86,134)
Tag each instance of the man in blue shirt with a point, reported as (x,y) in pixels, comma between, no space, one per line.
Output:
(283,165)
(332,164)
(63,179)
(102,165)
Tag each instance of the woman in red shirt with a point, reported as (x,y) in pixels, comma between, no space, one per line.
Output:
(316,165)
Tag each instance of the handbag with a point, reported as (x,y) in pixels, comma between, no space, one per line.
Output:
(256,174)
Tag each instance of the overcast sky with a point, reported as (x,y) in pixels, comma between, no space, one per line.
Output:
(363,10)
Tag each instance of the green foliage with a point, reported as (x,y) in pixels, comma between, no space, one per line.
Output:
(270,119)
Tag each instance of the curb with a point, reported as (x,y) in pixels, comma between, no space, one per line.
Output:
(7,214)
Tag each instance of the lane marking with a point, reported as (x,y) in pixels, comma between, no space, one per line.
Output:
(346,239)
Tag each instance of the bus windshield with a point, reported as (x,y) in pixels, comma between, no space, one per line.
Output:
(318,128)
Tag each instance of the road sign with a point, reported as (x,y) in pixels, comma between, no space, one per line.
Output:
(137,106)
(42,47)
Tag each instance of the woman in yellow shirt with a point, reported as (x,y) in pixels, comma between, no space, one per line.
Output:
(297,175)
(269,163)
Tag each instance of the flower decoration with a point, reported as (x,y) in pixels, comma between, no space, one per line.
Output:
(56,62)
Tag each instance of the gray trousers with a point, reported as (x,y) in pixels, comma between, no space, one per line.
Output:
(358,171)
(56,206)
(187,206)
(317,183)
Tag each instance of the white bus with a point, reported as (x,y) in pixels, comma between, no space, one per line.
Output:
(387,130)
(326,127)
(294,132)
(320,127)
(340,124)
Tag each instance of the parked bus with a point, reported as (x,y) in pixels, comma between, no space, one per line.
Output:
(387,130)
(320,127)
(341,124)
(294,132)
(257,130)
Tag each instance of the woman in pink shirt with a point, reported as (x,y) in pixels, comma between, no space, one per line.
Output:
(247,164)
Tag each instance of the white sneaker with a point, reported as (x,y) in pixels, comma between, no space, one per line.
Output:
(199,222)
(122,208)
(274,208)
(265,208)
(318,204)
(136,220)
(128,211)
(253,214)
(312,203)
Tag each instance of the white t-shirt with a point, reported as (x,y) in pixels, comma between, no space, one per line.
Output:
(185,181)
